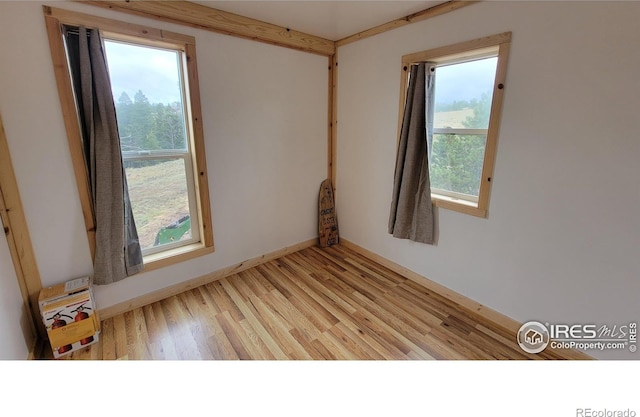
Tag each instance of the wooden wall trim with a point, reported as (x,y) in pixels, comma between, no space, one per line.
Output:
(72,127)
(200,160)
(207,18)
(333,119)
(462,49)
(18,238)
(167,292)
(403,21)
(69,17)
(475,309)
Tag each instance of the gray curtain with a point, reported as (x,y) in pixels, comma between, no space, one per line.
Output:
(411,214)
(118,253)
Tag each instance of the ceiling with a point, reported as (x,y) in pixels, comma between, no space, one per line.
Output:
(329,19)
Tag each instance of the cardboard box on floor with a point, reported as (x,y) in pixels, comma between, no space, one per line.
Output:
(70,316)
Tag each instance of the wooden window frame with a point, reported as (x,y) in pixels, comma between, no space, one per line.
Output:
(460,52)
(55,19)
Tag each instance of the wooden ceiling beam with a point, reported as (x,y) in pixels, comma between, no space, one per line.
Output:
(403,21)
(207,18)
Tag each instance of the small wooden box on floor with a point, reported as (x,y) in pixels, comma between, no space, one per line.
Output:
(69,315)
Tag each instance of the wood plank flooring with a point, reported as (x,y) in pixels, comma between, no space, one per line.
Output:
(330,303)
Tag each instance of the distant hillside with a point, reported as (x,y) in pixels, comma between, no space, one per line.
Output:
(453,118)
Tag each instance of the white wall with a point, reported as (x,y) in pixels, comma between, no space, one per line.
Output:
(562,240)
(264,111)
(14,322)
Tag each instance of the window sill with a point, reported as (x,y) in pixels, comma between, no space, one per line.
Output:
(462,206)
(174,256)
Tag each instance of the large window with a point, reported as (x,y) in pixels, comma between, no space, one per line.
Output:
(154,84)
(469,82)
(148,90)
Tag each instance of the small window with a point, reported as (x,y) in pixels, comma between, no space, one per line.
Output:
(469,81)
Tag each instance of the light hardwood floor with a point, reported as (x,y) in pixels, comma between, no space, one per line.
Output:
(330,303)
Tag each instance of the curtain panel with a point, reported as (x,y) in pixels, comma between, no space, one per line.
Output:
(411,215)
(118,253)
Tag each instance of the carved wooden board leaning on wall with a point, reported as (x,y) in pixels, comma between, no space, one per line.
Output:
(327,220)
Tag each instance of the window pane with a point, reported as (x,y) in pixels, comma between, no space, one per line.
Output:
(456,163)
(158,194)
(147,89)
(464,93)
